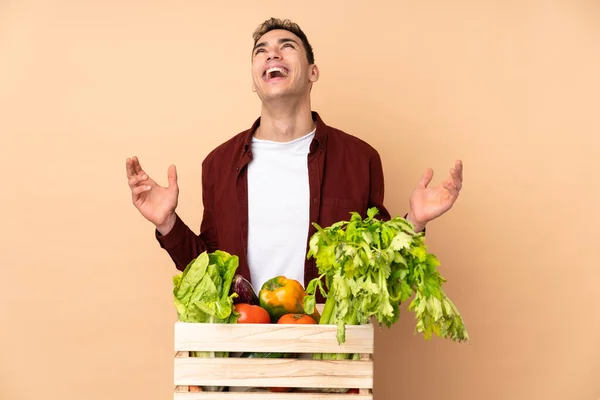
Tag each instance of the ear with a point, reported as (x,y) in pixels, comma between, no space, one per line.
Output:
(314,73)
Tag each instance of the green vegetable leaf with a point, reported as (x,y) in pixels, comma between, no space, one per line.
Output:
(401,241)
(309,303)
(372,212)
(201,291)
(371,266)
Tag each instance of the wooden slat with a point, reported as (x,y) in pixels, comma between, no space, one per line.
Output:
(365,357)
(182,354)
(269,396)
(277,372)
(272,337)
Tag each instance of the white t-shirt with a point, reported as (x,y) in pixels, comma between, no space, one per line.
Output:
(278,209)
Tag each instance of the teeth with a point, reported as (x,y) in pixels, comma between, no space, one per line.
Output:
(283,71)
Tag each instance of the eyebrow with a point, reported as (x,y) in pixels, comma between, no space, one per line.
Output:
(280,41)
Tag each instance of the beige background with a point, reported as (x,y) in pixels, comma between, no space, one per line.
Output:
(510,87)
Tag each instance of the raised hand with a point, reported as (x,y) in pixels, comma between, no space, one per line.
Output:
(428,203)
(156,203)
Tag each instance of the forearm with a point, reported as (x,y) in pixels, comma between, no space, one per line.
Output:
(181,243)
(419,226)
(167,225)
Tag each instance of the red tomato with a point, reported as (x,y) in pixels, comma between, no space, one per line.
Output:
(252,314)
(279,389)
(296,319)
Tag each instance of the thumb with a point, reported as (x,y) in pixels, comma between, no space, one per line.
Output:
(172,176)
(426,178)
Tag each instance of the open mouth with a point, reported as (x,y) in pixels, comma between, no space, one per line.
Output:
(275,72)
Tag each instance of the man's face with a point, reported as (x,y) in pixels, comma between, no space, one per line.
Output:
(280,66)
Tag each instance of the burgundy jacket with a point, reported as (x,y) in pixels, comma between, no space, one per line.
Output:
(345,174)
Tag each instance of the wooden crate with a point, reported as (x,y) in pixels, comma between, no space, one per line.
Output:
(302,373)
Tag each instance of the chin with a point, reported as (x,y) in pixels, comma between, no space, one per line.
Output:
(276,94)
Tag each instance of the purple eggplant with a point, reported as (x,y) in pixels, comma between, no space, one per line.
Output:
(244,290)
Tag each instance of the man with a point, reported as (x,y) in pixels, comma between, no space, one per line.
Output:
(263,188)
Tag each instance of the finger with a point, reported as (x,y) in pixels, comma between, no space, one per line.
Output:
(456,176)
(455,179)
(140,189)
(129,168)
(140,172)
(136,164)
(427,176)
(135,180)
(449,186)
(172,176)
(459,167)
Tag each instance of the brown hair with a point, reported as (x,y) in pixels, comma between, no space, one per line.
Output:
(285,24)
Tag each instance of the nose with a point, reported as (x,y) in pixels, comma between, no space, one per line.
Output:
(273,54)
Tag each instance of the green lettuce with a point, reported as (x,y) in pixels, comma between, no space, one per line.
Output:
(201,291)
(201,294)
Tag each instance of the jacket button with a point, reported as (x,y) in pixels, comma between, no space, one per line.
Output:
(237,168)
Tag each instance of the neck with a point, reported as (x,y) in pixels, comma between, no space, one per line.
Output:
(285,121)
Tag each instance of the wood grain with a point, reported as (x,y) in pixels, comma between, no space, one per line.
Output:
(270,396)
(266,372)
(272,337)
